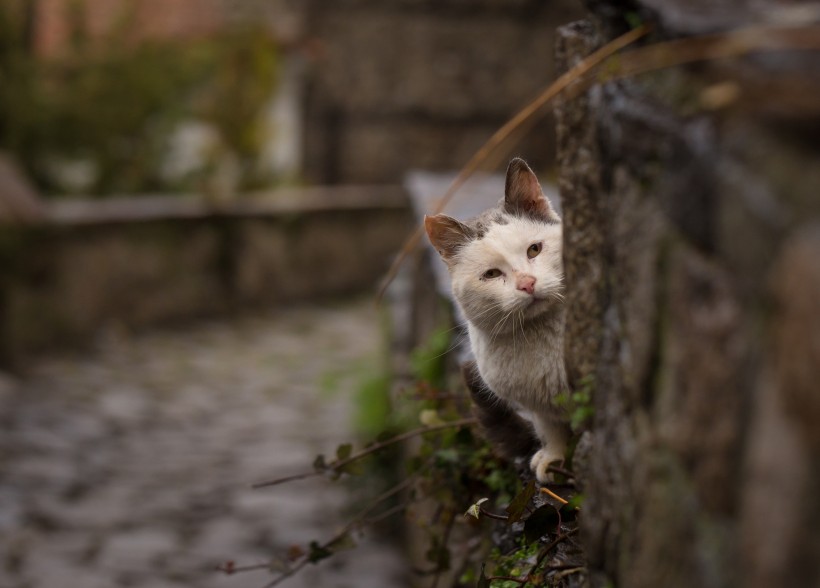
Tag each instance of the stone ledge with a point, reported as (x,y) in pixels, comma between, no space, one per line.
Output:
(286,201)
(136,262)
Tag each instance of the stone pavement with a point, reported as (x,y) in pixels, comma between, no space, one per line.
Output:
(132,466)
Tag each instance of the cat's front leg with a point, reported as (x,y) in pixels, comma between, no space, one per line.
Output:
(554,436)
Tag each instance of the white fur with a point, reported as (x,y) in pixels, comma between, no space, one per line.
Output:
(517,337)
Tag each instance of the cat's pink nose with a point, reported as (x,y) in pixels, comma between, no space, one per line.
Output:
(525,283)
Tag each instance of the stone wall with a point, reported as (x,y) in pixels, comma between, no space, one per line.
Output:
(422,84)
(692,253)
(129,263)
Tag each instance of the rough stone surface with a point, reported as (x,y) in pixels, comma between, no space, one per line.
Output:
(691,248)
(132,467)
(577,160)
(417,84)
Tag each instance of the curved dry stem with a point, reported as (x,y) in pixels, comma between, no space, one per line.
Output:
(525,115)
(603,66)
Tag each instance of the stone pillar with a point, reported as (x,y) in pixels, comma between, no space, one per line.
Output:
(692,254)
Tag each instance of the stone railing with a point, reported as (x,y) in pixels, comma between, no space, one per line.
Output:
(132,262)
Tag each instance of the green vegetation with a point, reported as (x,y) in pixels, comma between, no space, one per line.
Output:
(109,108)
(577,405)
(429,359)
(483,525)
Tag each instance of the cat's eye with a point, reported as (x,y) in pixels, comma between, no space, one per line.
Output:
(491,273)
(534,250)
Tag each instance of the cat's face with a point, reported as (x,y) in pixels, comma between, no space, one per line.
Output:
(512,273)
(506,264)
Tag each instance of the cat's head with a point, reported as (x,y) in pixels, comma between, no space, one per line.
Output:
(505,264)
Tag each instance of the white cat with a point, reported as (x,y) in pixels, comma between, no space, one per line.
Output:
(507,278)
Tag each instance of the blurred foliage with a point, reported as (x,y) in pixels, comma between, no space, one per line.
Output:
(372,406)
(113,105)
(244,79)
(577,405)
(428,360)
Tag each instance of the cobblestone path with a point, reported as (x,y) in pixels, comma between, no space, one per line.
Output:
(132,466)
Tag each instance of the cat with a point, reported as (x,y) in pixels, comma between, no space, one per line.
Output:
(507,278)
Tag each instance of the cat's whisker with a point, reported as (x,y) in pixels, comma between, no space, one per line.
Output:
(493,307)
(500,325)
(514,317)
(495,318)
(523,330)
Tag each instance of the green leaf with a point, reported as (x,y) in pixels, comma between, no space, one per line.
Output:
(319,463)
(318,552)
(576,501)
(544,520)
(483,582)
(447,455)
(428,360)
(372,404)
(429,417)
(354,468)
(475,509)
(520,502)
(567,513)
(344,451)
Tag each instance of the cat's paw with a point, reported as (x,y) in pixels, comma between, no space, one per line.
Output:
(541,461)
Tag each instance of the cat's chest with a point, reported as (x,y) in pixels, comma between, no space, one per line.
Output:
(527,371)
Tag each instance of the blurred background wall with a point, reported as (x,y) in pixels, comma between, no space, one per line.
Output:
(157,157)
(419,84)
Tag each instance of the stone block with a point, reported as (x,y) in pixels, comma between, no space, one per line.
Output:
(421,63)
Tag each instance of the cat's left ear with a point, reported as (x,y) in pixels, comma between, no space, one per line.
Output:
(446,234)
(523,194)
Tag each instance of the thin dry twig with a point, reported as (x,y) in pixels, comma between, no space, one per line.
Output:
(340,465)
(229,568)
(552,494)
(566,571)
(362,519)
(492,515)
(563,471)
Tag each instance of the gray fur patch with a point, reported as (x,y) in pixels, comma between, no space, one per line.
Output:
(481,224)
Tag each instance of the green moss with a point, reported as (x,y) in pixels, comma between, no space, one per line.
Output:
(578,404)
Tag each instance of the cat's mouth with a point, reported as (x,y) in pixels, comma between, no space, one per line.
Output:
(538,301)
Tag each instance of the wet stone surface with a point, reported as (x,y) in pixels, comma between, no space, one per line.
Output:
(132,466)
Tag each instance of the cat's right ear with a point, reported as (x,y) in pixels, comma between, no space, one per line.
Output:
(523,194)
(446,234)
